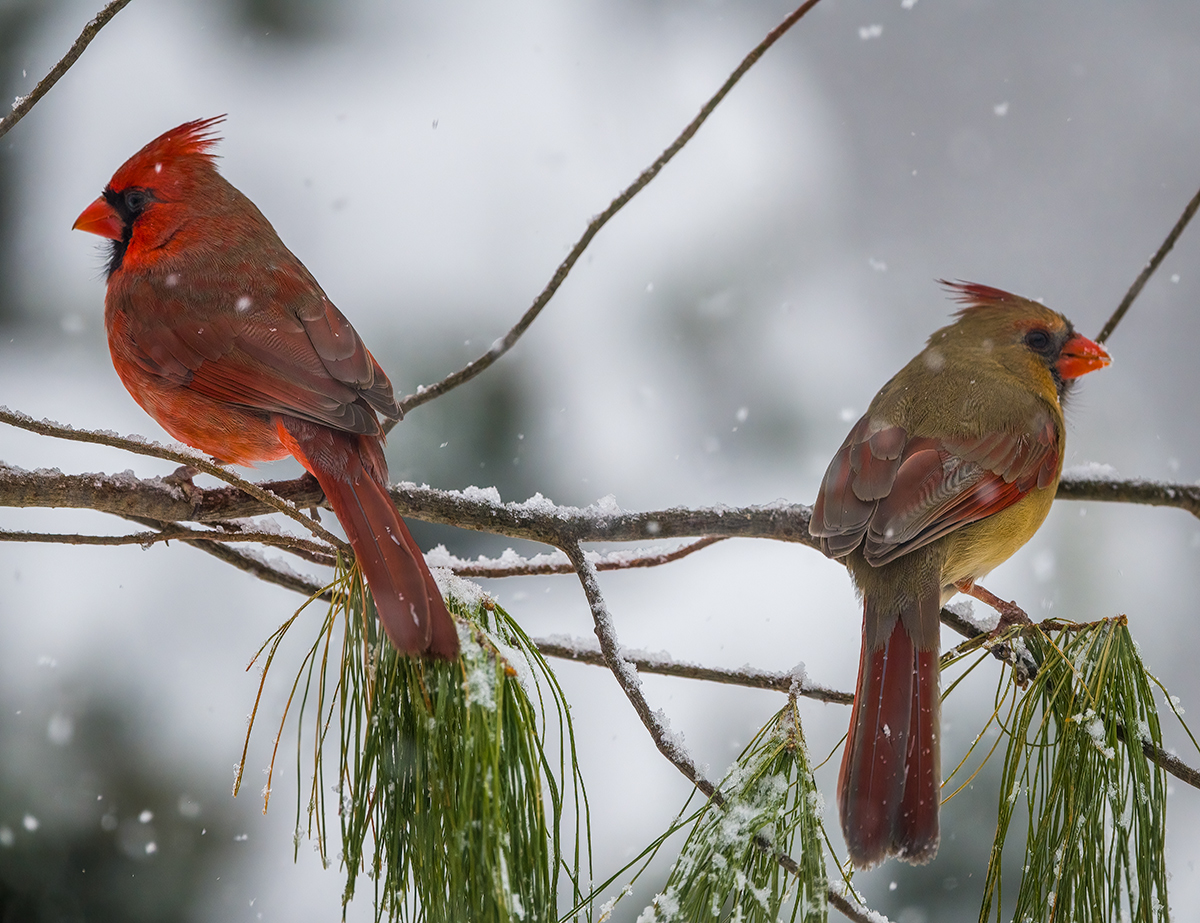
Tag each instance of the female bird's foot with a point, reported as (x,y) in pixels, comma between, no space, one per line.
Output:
(1010,612)
(1017,656)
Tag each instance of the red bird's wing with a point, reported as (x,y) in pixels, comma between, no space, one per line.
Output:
(892,494)
(274,344)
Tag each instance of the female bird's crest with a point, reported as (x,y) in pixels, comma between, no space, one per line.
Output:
(189,140)
(973,296)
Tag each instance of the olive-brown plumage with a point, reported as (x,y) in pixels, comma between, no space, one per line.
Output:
(951,470)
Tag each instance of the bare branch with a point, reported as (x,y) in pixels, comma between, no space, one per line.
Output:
(263,570)
(505,343)
(849,908)
(511,564)
(626,673)
(540,521)
(23,104)
(1148,269)
(179,456)
(1146,493)
(581,652)
(312,551)
(1165,761)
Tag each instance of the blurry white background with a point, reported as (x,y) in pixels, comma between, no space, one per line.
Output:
(432,164)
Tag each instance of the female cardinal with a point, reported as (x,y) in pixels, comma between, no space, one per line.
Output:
(951,470)
(224,337)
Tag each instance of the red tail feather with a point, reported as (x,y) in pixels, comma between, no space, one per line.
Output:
(352,472)
(889,789)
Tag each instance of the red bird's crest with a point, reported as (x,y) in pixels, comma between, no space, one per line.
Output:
(191,139)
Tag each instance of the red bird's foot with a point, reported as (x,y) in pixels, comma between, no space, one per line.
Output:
(1010,612)
(181,477)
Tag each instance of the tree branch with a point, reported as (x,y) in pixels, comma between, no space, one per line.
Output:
(1146,493)
(510,564)
(505,343)
(668,743)
(536,519)
(24,103)
(309,550)
(851,909)
(1149,268)
(793,682)
(179,456)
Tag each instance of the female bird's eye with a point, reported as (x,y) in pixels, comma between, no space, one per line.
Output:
(1037,340)
(136,199)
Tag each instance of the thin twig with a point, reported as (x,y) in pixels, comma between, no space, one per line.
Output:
(1147,493)
(190,459)
(505,343)
(627,676)
(1148,269)
(252,564)
(851,909)
(1166,761)
(542,565)
(748,677)
(25,103)
(311,551)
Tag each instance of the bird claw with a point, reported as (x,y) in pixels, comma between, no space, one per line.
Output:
(181,478)
(1010,613)
(314,511)
(1023,666)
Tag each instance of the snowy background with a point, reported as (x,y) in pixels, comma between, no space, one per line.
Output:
(432,164)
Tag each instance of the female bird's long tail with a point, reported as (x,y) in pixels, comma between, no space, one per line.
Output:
(889,788)
(352,471)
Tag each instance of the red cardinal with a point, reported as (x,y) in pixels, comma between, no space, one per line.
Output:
(224,337)
(951,470)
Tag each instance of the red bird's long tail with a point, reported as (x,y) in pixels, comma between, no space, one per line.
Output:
(889,788)
(352,471)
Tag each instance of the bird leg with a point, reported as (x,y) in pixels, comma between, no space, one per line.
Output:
(1024,667)
(1010,612)
(181,478)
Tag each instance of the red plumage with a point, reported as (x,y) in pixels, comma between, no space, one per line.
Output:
(227,340)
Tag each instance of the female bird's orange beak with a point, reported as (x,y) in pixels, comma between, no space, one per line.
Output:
(100,218)
(1080,356)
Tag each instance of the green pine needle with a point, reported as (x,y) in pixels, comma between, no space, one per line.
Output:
(728,868)
(1094,850)
(448,800)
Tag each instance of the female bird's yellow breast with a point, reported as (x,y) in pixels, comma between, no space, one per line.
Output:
(973,550)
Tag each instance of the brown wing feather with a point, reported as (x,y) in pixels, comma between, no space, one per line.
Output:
(891,502)
(862,471)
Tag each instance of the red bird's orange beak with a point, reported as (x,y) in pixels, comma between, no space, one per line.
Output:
(100,218)
(1080,356)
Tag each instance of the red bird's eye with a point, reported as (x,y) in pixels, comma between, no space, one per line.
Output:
(136,200)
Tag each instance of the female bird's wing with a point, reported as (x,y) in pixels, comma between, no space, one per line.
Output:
(278,346)
(892,493)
